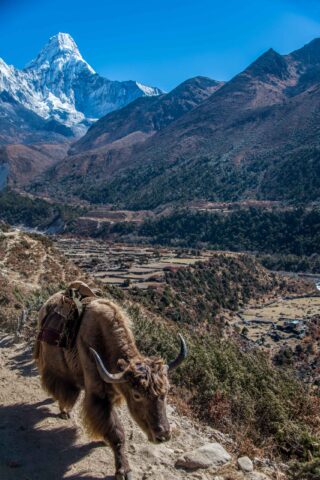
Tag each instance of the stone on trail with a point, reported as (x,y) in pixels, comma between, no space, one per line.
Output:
(209,455)
(245,464)
(155,455)
(258,476)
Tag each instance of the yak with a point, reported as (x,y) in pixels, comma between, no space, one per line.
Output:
(106,363)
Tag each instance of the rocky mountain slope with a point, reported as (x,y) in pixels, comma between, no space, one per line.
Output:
(114,138)
(20,164)
(60,85)
(234,145)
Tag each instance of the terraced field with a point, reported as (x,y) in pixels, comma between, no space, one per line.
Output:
(126,265)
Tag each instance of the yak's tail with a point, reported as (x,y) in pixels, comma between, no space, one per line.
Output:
(41,317)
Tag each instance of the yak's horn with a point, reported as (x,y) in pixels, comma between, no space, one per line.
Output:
(182,355)
(103,372)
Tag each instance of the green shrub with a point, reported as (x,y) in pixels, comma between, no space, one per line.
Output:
(197,294)
(236,391)
(306,471)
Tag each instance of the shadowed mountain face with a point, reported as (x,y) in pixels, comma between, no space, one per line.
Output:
(256,136)
(20,125)
(29,144)
(147,115)
(20,163)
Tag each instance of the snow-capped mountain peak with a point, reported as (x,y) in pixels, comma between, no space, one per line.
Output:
(149,91)
(60,48)
(64,41)
(61,42)
(59,84)
(5,71)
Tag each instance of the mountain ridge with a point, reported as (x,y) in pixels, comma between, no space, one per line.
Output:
(235,145)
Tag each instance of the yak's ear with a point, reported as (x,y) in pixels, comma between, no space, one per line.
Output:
(122,364)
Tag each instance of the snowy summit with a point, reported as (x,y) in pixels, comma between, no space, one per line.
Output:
(60,46)
(59,84)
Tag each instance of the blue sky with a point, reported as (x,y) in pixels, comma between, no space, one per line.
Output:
(160,42)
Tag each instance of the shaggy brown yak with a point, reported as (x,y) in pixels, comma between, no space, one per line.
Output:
(106,344)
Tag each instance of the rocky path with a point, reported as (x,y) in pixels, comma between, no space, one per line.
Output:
(35,444)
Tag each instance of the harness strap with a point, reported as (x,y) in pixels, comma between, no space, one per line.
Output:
(76,297)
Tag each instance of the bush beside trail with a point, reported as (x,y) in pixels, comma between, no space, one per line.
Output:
(238,391)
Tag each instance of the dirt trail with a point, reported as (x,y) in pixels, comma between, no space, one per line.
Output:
(27,262)
(13,238)
(35,444)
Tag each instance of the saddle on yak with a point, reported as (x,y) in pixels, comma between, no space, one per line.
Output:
(61,324)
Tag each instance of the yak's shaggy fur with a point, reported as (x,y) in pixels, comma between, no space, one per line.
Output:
(149,377)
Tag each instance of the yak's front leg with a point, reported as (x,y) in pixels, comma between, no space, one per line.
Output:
(103,421)
(116,437)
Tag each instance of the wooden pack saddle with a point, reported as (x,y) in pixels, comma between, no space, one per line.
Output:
(61,324)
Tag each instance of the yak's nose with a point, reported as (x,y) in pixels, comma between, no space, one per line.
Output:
(162,434)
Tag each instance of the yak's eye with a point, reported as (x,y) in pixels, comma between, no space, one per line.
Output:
(137,396)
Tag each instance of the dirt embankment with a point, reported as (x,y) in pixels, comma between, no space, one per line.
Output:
(30,267)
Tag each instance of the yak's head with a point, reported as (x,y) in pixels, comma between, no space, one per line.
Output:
(144,383)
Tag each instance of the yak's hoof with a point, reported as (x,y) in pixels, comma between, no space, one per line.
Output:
(124,476)
(64,415)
